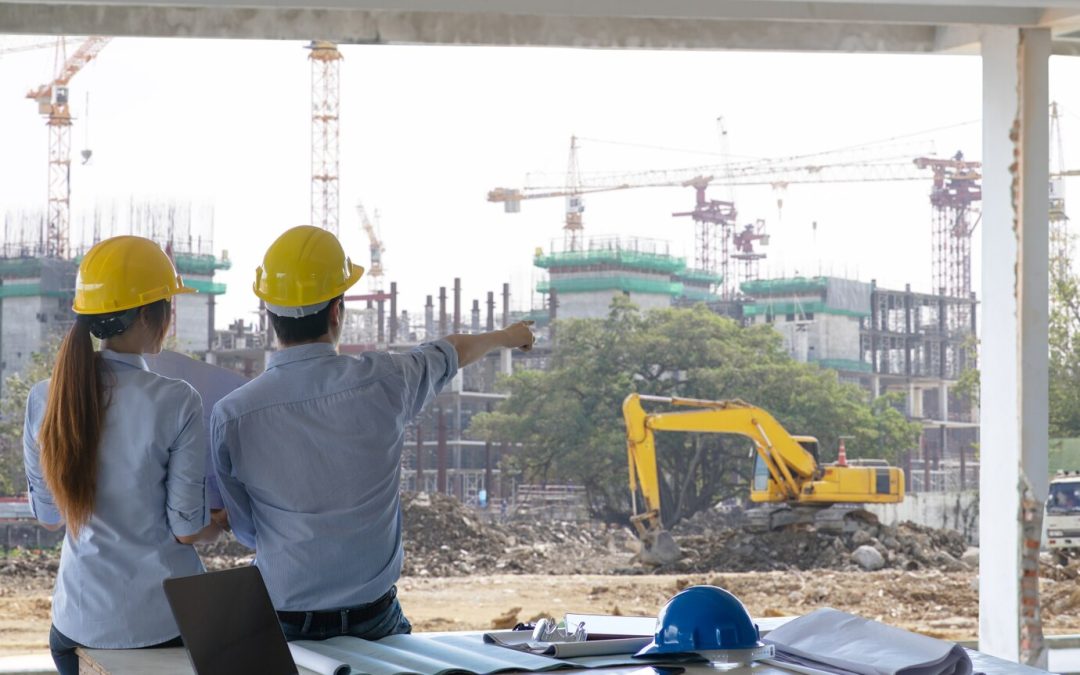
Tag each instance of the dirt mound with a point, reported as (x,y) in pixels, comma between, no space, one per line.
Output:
(711,544)
(445,538)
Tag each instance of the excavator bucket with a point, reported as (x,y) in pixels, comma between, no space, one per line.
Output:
(658,548)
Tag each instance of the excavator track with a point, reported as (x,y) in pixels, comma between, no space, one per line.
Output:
(835,519)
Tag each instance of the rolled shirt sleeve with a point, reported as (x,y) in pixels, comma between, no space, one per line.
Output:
(42,503)
(185,483)
(426,370)
(233,495)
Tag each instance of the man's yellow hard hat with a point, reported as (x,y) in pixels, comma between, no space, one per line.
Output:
(302,271)
(123,273)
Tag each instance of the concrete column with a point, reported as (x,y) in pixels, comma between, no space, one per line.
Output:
(393,312)
(506,305)
(429,319)
(420,456)
(943,401)
(457,305)
(1014,391)
(442,311)
(441,460)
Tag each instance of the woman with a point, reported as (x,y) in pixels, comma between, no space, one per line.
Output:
(117,454)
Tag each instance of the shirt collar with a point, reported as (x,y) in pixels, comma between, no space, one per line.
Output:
(133,360)
(300,353)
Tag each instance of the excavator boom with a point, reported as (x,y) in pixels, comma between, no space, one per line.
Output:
(787,469)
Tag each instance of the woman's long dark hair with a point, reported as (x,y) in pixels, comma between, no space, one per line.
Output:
(75,413)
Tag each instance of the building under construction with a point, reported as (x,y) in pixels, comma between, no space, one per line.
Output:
(582,282)
(888,341)
(37,287)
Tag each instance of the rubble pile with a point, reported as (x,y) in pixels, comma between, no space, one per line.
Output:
(26,564)
(711,545)
(445,538)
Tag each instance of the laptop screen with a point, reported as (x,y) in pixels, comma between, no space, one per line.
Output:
(228,623)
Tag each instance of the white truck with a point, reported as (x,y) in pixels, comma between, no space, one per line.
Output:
(1062,520)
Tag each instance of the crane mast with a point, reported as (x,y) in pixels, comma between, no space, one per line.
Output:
(52,100)
(325,112)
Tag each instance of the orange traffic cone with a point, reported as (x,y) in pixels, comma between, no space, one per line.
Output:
(841,455)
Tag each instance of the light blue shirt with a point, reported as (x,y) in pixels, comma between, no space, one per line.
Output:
(308,457)
(150,487)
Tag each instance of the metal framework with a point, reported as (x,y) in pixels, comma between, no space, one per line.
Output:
(1060,245)
(325,110)
(52,100)
(575,205)
(955,190)
(714,221)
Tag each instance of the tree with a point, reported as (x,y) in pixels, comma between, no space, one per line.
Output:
(568,419)
(13,413)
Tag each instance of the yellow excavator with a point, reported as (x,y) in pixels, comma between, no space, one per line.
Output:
(787,472)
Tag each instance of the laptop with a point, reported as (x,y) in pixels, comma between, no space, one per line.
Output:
(228,623)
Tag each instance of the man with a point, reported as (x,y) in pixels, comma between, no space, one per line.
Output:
(308,454)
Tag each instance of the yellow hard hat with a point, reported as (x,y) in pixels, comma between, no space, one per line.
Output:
(302,271)
(123,273)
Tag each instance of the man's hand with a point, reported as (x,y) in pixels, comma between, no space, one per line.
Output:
(519,336)
(221,517)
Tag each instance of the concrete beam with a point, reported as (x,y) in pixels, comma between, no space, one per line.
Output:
(956,12)
(358,26)
(1014,390)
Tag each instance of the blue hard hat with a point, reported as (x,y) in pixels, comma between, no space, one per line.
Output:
(702,619)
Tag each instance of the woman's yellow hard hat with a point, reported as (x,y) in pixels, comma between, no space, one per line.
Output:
(302,271)
(123,273)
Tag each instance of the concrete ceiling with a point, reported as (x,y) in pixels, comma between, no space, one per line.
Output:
(904,26)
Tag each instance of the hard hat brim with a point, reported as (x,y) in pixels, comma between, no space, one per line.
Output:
(148,299)
(356,272)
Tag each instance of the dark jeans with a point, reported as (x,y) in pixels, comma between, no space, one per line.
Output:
(391,621)
(67,662)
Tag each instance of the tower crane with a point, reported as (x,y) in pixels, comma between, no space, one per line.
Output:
(325,111)
(1059,236)
(955,190)
(52,100)
(375,272)
(26,48)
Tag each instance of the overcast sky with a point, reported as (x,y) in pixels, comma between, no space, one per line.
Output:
(427,131)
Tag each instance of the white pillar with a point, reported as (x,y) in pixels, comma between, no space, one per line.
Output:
(1014,391)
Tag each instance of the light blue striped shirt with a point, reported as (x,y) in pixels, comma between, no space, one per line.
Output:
(308,457)
(150,487)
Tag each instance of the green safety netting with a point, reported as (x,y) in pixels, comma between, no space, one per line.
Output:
(616,283)
(784,286)
(700,276)
(15,268)
(845,364)
(653,262)
(209,287)
(191,263)
(28,291)
(785,307)
(699,294)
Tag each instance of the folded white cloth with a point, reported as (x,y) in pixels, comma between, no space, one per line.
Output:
(832,641)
